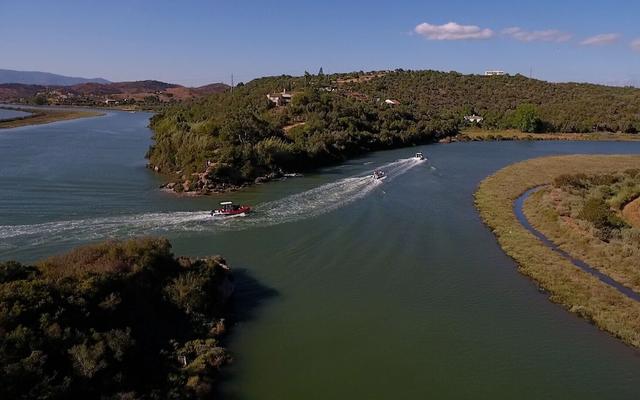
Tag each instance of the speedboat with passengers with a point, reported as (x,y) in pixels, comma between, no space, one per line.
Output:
(228,209)
(420,156)
(379,174)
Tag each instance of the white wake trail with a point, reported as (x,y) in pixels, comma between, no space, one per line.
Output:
(308,204)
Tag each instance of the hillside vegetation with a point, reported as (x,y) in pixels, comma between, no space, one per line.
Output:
(236,137)
(118,320)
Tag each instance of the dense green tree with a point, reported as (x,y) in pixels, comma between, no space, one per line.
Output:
(111,321)
(526,118)
(40,100)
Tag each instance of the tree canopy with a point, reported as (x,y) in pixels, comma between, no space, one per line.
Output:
(118,320)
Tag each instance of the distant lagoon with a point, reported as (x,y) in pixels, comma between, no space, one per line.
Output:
(6,113)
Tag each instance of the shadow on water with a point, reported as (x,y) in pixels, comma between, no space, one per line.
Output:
(248,297)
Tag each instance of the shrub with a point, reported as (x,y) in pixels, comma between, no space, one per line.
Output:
(572,181)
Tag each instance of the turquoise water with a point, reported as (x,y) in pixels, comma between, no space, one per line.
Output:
(347,288)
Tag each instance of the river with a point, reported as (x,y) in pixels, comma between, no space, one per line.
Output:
(347,288)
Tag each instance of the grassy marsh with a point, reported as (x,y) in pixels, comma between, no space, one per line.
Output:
(567,285)
(478,134)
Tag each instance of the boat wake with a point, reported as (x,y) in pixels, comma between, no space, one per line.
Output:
(308,204)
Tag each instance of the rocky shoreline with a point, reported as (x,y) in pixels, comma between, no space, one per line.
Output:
(203,183)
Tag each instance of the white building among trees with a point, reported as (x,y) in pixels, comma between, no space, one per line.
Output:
(473,118)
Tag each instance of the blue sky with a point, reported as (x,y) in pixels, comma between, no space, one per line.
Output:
(198,42)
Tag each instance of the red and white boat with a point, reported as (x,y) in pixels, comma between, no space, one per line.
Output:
(228,209)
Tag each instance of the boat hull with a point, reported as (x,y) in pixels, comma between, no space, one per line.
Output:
(241,211)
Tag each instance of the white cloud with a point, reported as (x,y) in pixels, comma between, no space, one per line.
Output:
(549,35)
(602,39)
(453,31)
(635,45)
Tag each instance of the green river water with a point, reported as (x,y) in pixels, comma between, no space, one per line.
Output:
(346,288)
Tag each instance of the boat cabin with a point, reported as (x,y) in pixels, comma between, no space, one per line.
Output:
(228,206)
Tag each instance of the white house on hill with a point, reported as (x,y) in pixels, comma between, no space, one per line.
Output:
(473,118)
(280,99)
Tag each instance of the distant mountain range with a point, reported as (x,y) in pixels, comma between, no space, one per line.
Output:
(146,93)
(43,78)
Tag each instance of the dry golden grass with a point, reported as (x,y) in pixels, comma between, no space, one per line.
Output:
(47,116)
(361,78)
(631,213)
(513,134)
(575,289)
(617,258)
(108,257)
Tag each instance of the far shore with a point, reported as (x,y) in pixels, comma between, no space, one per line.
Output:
(39,116)
(477,134)
(465,135)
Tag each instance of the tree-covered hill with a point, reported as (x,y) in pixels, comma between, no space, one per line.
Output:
(234,137)
(119,320)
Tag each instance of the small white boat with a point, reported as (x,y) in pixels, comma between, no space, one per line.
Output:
(379,174)
(420,156)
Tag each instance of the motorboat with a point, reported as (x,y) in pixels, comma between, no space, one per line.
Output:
(228,209)
(420,156)
(379,174)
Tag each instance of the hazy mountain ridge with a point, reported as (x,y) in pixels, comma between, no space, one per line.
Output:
(43,78)
(92,92)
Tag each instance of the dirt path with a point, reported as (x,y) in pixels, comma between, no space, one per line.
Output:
(289,127)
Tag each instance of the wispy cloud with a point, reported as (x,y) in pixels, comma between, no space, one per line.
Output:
(600,40)
(635,45)
(453,31)
(549,35)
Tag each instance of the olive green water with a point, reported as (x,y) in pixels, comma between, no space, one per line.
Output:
(347,289)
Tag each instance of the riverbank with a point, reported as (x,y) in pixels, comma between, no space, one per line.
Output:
(576,290)
(514,134)
(206,183)
(45,116)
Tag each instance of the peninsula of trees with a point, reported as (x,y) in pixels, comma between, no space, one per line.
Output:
(286,123)
(118,320)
